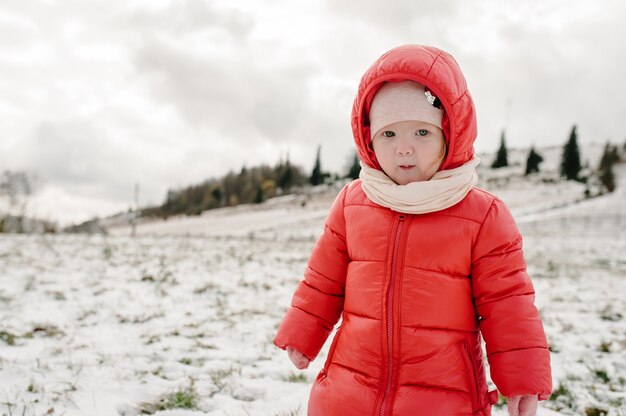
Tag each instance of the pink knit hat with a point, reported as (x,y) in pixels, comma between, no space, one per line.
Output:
(404,100)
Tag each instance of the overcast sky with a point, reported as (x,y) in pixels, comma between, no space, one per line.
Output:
(96,96)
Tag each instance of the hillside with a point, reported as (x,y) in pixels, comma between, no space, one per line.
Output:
(304,212)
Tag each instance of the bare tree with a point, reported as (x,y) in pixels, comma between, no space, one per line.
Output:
(15,189)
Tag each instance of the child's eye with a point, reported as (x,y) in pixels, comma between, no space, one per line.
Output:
(388,133)
(422,132)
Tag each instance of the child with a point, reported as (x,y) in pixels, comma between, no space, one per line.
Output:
(418,262)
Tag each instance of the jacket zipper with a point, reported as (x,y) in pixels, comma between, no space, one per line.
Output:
(471,378)
(394,260)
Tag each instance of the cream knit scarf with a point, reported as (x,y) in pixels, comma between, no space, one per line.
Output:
(444,189)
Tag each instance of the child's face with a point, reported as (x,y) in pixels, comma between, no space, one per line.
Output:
(409,151)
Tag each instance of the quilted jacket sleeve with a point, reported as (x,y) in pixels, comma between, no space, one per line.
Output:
(504,297)
(318,300)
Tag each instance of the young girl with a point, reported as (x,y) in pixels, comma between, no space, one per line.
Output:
(420,264)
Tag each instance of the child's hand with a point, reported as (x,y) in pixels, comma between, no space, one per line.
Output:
(297,358)
(522,405)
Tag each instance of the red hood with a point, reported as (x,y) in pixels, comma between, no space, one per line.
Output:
(437,70)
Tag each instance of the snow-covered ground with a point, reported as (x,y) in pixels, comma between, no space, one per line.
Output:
(185,313)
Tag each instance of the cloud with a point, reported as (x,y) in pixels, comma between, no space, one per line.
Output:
(235,95)
(78,155)
(187,16)
(403,17)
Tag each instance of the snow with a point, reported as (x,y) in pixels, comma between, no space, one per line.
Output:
(111,325)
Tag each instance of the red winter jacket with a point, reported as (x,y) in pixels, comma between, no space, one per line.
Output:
(415,292)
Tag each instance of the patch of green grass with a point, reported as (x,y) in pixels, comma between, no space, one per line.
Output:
(296,378)
(32,387)
(607,314)
(45,330)
(594,411)
(56,294)
(562,390)
(562,398)
(183,398)
(552,268)
(205,288)
(602,375)
(7,337)
(502,401)
(602,263)
(107,252)
(85,314)
(148,278)
(219,378)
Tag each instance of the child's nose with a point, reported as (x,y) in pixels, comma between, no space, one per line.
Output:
(404,147)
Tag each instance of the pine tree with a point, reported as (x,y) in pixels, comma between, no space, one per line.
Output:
(605,170)
(607,178)
(605,159)
(317,177)
(260,196)
(501,158)
(570,160)
(285,175)
(615,155)
(533,161)
(216,193)
(355,169)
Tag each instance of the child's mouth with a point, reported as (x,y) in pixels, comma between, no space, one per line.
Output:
(407,167)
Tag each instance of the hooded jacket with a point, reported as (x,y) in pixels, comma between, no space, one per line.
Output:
(417,293)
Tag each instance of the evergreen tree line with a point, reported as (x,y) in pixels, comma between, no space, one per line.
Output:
(253,185)
(250,185)
(570,166)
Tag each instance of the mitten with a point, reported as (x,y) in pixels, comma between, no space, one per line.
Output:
(522,405)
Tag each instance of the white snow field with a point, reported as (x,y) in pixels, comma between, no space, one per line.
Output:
(180,319)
